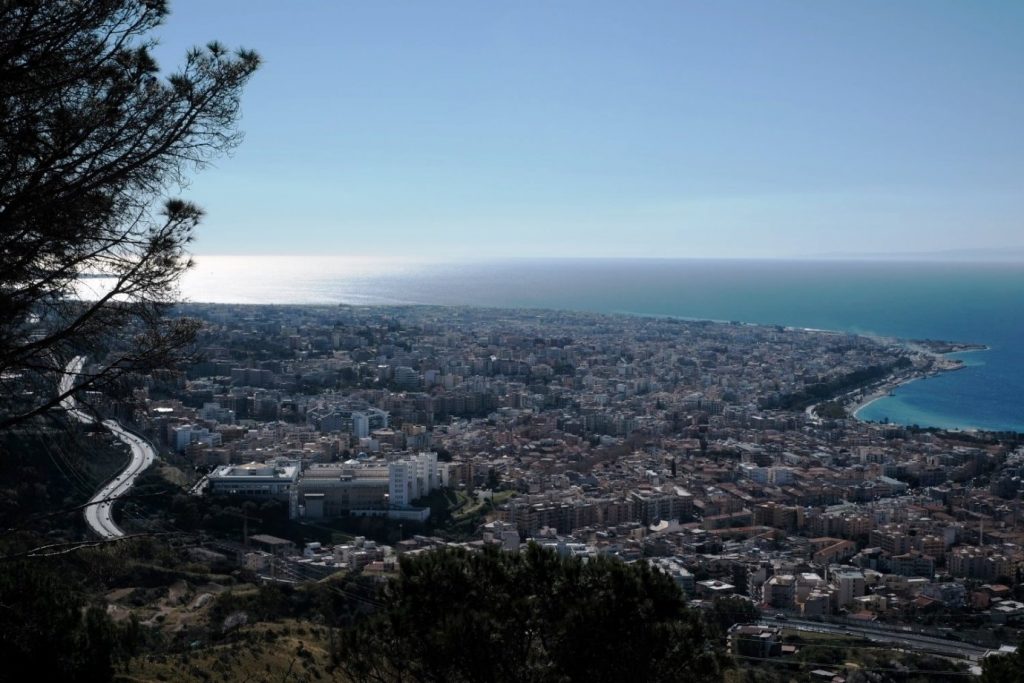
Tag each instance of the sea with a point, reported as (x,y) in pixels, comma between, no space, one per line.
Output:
(980,303)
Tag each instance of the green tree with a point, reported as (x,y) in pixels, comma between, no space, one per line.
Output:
(46,629)
(94,143)
(455,615)
(1008,668)
(493,480)
(729,610)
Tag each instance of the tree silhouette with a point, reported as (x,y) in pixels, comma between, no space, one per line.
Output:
(729,610)
(455,615)
(46,628)
(1003,668)
(92,143)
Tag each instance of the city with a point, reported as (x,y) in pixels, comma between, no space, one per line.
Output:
(462,342)
(647,439)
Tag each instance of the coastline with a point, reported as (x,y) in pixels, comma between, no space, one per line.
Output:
(937,363)
(930,355)
(842,298)
(878,395)
(871,398)
(929,358)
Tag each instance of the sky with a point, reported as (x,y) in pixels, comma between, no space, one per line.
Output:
(591,128)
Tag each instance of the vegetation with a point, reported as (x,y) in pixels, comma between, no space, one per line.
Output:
(1007,668)
(456,615)
(838,385)
(831,410)
(46,628)
(729,610)
(284,651)
(93,142)
(45,474)
(54,618)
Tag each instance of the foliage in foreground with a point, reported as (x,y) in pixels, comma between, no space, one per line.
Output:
(94,142)
(455,615)
(1007,668)
(47,629)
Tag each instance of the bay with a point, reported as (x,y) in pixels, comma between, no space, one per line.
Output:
(979,303)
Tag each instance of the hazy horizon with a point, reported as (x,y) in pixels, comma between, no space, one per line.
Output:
(995,256)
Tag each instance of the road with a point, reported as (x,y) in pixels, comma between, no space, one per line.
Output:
(897,637)
(99,511)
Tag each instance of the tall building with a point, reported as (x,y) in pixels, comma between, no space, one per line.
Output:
(411,478)
(849,584)
(361,424)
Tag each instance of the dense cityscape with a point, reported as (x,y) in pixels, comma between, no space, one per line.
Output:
(575,342)
(723,454)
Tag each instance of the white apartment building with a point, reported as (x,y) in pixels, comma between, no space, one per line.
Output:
(411,478)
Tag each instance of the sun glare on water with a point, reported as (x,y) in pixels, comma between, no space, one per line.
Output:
(287,279)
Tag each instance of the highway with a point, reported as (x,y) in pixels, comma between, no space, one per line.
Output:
(99,511)
(897,638)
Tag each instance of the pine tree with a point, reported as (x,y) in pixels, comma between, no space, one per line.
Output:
(459,616)
(93,144)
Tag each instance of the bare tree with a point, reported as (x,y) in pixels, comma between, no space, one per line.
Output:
(93,141)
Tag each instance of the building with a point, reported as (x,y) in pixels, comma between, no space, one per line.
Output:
(337,489)
(184,436)
(273,545)
(407,378)
(680,574)
(817,604)
(979,563)
(411,478)
(1007,611)
(751,640)
(712,588)
(357,421)
(950,594)
(849,584)
(270,481)
(779,591)
(913,564)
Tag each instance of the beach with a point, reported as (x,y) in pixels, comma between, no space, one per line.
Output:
(927,363)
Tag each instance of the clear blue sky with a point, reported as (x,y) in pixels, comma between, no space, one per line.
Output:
(591,128)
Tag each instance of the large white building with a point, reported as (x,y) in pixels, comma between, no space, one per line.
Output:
(411,478)
(329,490)
(257,480)
(371,487)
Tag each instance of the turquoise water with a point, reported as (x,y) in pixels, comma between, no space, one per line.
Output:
(979,303)
(951,401)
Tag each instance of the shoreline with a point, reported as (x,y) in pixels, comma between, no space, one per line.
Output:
(940,363)
(926,362)
(931,357)
(878,395)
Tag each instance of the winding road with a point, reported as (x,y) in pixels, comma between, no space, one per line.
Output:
(99,510)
